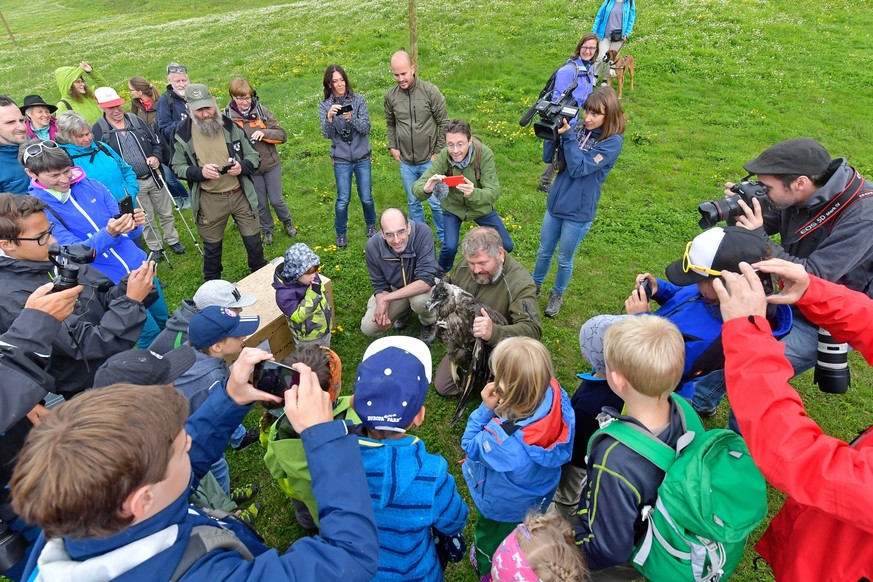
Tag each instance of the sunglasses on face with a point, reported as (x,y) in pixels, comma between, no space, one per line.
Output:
(35,150)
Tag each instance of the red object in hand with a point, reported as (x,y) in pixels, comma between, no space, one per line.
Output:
(453,181)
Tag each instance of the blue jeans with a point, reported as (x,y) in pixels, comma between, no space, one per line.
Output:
(156,319)
(568,235)
(177,189)
(408,175)
(801,346)
(363,178)
(452,226)
(221,472)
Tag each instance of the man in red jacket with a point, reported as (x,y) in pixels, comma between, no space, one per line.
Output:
(823,532)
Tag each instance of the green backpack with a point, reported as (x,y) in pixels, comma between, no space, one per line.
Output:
(711,499)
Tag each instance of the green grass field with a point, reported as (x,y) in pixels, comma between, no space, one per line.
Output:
(716,83)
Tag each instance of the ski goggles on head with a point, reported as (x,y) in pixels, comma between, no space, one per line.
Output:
(35,150)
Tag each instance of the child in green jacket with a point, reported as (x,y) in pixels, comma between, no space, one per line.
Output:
(285,458)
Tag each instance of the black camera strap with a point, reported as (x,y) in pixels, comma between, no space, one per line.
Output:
(827,216)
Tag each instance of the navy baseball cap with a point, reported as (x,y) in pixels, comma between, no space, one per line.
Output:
(213,324)
(391,383)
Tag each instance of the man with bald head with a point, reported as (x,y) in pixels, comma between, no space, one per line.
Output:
(402,264)
(415,113)
(12,134)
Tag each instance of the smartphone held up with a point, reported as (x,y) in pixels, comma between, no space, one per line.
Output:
(274,378)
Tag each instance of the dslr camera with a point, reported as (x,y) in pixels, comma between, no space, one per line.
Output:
(552,113)
(747,190)
(67,259)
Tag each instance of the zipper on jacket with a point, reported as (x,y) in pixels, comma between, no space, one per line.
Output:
(411,126)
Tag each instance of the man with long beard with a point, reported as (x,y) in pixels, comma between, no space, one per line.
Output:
(216,158)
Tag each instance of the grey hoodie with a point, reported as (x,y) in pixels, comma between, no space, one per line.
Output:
(176,331)
(200,378)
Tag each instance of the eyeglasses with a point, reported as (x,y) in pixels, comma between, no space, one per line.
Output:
(396,234)
(687,266)
(587,48)
(176,69)
(312,270)
(242,97)
(457,146)
(40,239)
(35,150)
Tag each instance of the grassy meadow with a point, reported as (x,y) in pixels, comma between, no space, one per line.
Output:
(717,81)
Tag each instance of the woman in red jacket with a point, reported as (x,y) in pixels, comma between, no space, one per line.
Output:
(824,530)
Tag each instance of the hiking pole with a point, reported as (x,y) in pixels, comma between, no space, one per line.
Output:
(159,178)
(151,225)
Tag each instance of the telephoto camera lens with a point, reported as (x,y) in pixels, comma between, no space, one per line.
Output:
(832,367)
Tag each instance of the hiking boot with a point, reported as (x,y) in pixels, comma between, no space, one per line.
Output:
(241,494)
(178,248)
(155,256)
(400,322)
(539,290)
(252,436)
(556,300)
(371,230)
(341,241)
(250,514)
(542,187)
(428,333)
(290,229)
(268,238)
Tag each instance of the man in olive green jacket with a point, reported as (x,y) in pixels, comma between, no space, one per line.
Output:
(496,279)
(216,158)
(471,162)
(415,112)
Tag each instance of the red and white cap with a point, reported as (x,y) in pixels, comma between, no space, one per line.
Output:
(107,97)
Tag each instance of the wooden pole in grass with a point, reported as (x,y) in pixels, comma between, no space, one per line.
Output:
(9,30)
(413,33)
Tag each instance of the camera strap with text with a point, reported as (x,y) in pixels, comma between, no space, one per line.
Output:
(850,194)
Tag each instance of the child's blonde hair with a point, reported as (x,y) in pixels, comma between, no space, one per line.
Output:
(522,370)
(548,545)
(648,351)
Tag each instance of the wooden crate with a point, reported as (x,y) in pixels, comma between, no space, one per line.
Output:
(273,327)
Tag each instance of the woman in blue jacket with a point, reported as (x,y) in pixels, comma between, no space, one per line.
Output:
(583,158)
(613,25)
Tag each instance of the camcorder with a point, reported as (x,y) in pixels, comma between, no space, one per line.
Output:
(66,259)
(552,113)
(711,213)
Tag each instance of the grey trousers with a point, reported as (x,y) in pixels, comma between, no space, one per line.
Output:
(154,200)
(269,189)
